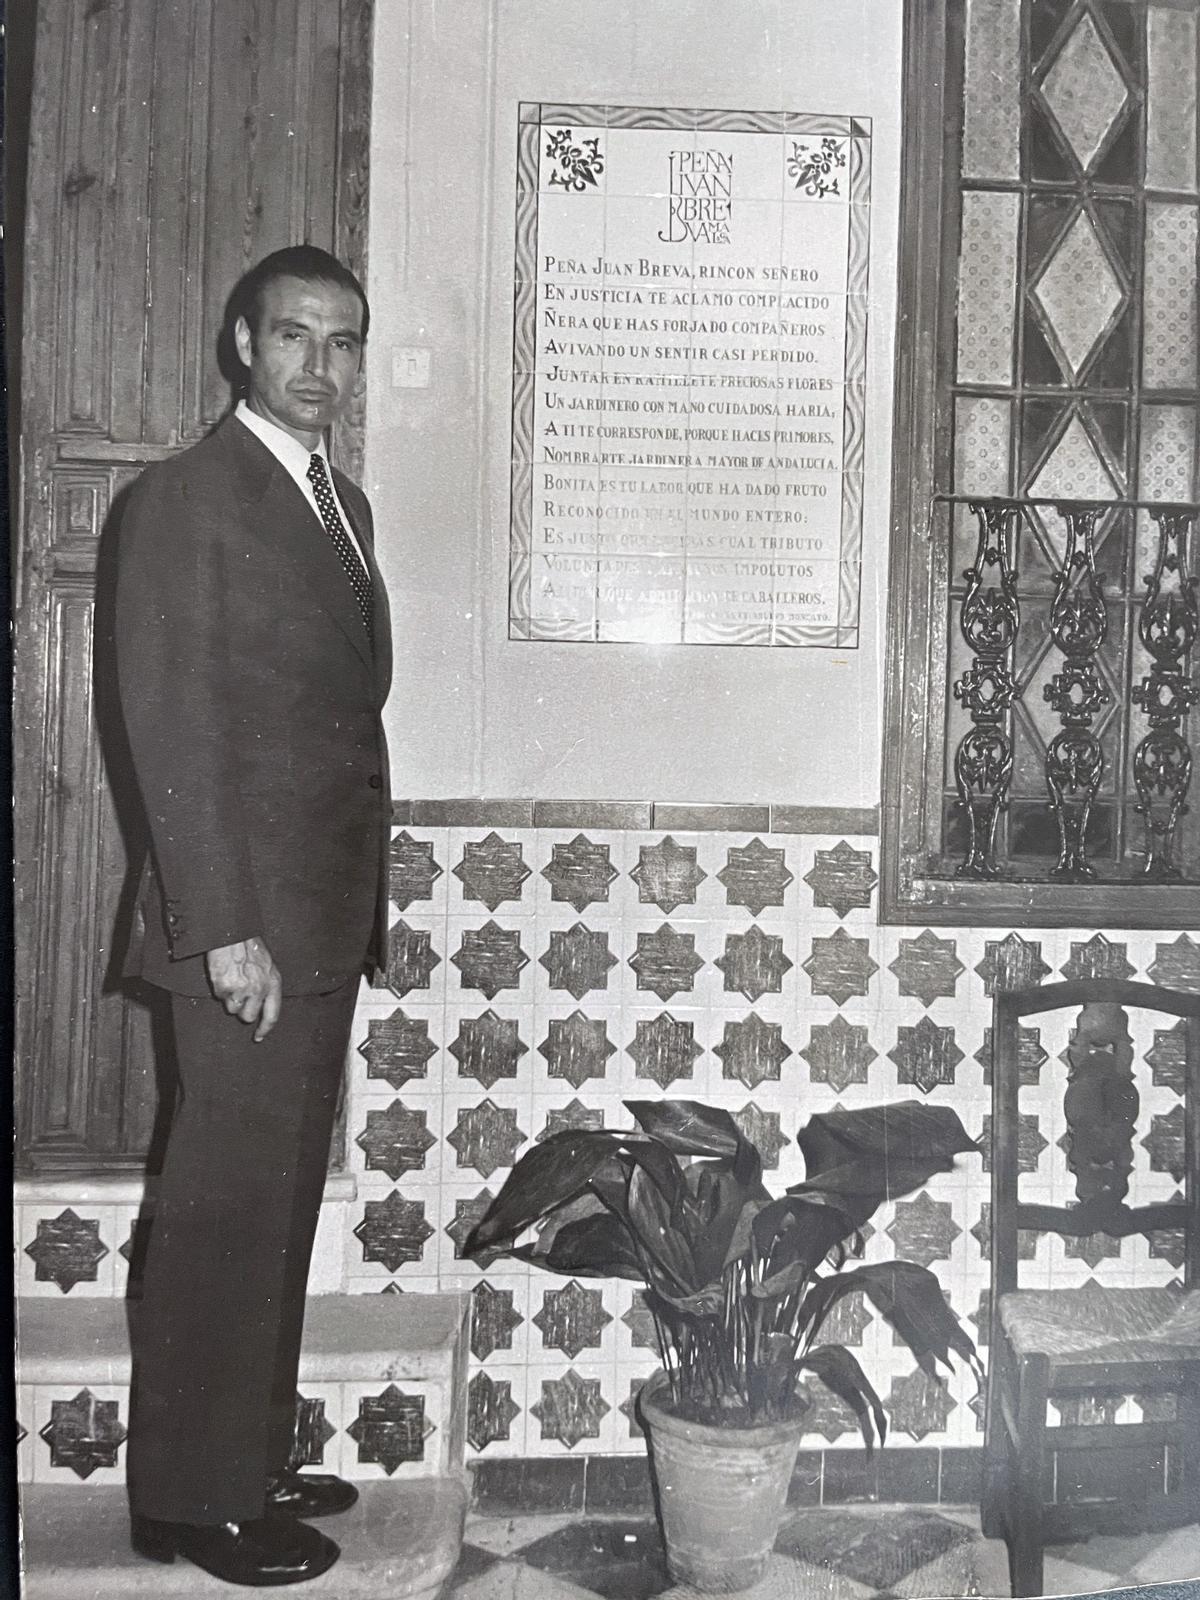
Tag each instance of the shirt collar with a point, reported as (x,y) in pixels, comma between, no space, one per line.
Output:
(289,452)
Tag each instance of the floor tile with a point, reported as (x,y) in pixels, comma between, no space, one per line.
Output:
(615,1558)
(874,1550)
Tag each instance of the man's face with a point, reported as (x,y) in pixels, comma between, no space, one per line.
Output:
(305,358)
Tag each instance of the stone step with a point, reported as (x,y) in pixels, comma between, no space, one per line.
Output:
(400,1540)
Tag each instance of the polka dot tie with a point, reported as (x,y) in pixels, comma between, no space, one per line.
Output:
(360,578)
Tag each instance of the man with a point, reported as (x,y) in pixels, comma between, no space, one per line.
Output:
(254,657)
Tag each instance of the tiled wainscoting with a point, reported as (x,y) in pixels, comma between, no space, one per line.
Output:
(550,962)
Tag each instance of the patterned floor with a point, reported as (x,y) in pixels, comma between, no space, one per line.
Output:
(829,1553)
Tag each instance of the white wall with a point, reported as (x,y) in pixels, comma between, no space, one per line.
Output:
(472,712)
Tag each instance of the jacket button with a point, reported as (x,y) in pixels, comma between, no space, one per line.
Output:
(375,781)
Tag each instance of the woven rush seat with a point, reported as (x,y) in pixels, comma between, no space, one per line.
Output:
(1103,1324)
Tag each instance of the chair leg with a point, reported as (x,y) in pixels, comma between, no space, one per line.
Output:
(1025,1528)
(994,1491)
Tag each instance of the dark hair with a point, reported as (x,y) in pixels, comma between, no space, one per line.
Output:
(304,261)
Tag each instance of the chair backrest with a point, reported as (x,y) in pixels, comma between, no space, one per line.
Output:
(1100,1109)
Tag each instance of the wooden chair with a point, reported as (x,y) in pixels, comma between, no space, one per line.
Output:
(1082,1348)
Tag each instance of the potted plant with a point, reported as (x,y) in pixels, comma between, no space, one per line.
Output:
(739,1285)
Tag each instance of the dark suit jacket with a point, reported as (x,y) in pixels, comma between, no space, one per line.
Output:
(252,698)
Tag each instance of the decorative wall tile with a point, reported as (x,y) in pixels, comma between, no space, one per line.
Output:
(397,1048)
(411,958)
(579,872)
(919,1405)
(314,1432)
(1177,965)
(67,1250)
(391,1428)
(927,967)
(926,1055)
(1030,1143)
(491,1410)
(629,1409)
(755,876)
(83,1433)
(664,1049)
(486,1137)
(1097,958)
(1092,1248)
(492,871)
(571,1409)
(412,870)
(1011,963)
(840,966)
(752,1050)
(826,1414)
(754,963)
(572,1319)
(578,960)
(490,959)
(982,1234)
(576,1048)
(839,1053)
(488,1048)
(1167,1057)
(1165,1143)
(493,1320)
(666,961)
(667,875)
(395,1140)
(764,1133)
(575,1115)
(393,1230)
(638,1319)
(467,1212)
(848,1321)
(1031,1058)
(842,878)
(923,1230)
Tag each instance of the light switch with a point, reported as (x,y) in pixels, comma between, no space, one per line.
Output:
(411,366)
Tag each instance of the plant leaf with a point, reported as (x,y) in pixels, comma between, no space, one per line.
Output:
(688,1128)
(596,1246)
(840,1372)
(794,1235)
(545,1177)
(872,1154)
(666,1245)
(911,1299)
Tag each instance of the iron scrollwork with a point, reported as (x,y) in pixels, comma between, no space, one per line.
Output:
(1162,762)
(989,620)
(1074,758)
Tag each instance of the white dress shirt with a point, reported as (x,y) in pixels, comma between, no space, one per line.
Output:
(293,458)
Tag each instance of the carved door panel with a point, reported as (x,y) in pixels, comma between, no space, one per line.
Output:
(171,145)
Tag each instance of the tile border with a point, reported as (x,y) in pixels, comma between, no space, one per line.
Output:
(636,816)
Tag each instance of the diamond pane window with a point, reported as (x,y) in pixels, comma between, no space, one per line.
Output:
(1044,557)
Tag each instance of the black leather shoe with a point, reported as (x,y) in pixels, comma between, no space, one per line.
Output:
(261,1554)
(308,1494)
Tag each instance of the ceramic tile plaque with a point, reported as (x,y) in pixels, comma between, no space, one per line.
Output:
(688,376)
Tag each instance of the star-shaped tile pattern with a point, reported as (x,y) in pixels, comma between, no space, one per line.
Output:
(466,1214)
(919,1405)
(397,1048)
(754,963)
(395,1140)
(842,878)
(1030,1143)
(411,958)
(393,1231)
(492,870)
(1011,963)
(666,961)
(134,1248)
(629,1409)
(752,1050)
(1167,1057)
(576,1048)
(755,876)
(762,1129)
(490,959)
(826,1414)
(664,1049)
(839,1053)
(313,1433)
(391,1428)
(491,1410)
(1177,965)
(982,1234)
(840,966)
(574,1115)
(488,1048)
(848,1321)
(571,1408)
(494,1320)
(485,1137)
(412,870)
(83,1433)
(926,1055)
(1097,958)
(927,967)
(67,1250)
(1092,1248)
(579,872)
(572,1319)
(923,1230)
(1165,1143)
(638,1319)
(1031,1058)
(667,875)
(578,960)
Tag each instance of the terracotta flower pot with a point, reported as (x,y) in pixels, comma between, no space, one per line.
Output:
(720,1492)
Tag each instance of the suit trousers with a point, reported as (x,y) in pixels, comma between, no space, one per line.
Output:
(216,1339)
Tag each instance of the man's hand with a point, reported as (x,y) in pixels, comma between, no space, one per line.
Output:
(247,982)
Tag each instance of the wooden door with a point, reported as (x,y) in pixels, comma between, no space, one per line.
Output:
(173,142)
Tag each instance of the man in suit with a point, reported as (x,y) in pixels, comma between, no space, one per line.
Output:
(254,657)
